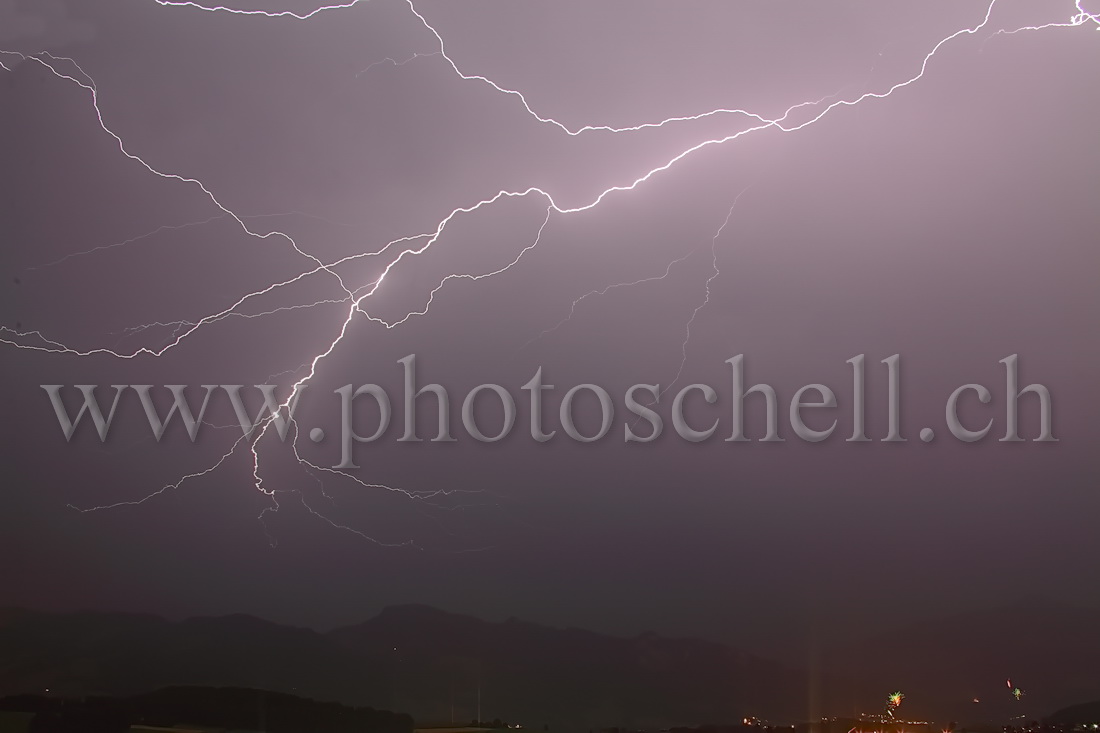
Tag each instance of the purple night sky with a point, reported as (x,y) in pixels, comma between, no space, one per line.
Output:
(953,221)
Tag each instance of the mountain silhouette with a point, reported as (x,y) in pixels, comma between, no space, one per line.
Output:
(411,659)
(438,666)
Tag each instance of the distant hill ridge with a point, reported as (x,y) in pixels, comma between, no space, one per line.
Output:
(414,659)
(222,708)
(432,664)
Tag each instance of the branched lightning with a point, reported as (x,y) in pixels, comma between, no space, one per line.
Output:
(260,13)
(160,229)
(355,299)
(605,291)
(125,242)
(396,63)
(714,273)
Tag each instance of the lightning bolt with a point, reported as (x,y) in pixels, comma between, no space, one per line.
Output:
(715,272)
(397,63)
(405,249)
(605,291)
